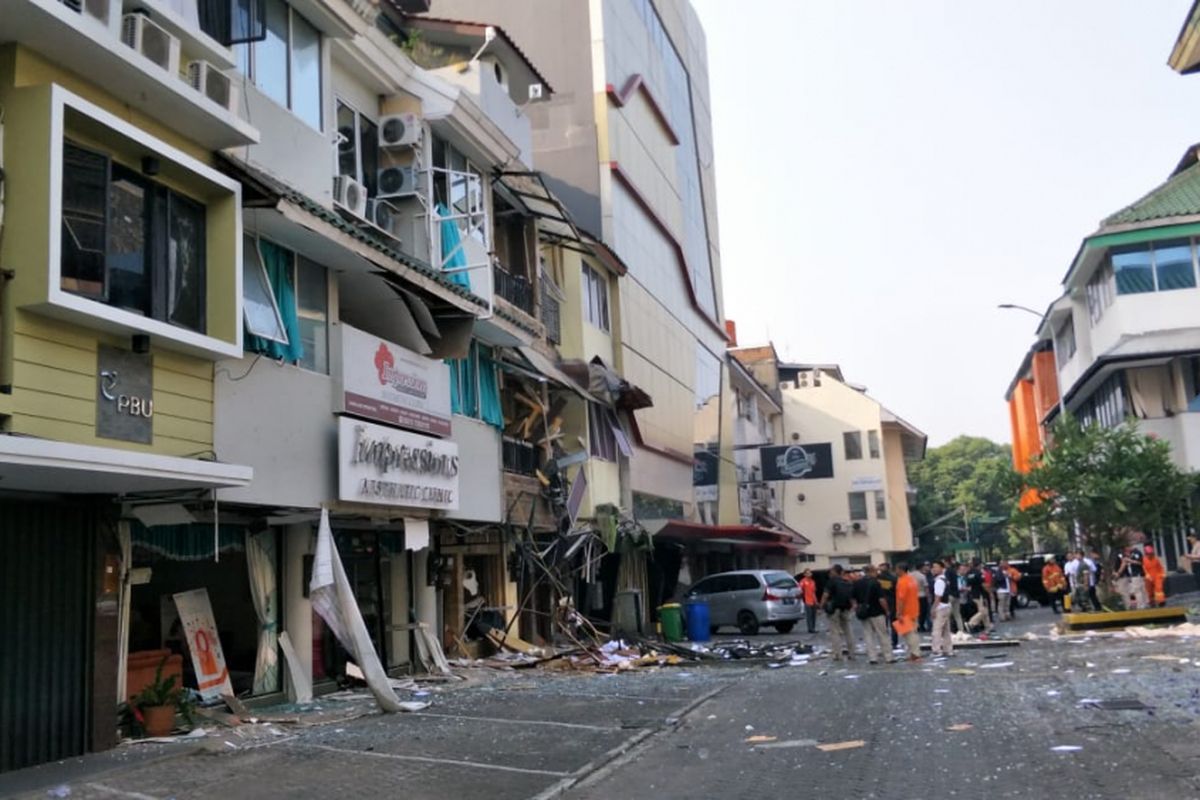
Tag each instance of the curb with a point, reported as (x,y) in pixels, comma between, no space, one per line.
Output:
(624,751)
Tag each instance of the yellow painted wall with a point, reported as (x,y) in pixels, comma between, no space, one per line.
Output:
(896,477)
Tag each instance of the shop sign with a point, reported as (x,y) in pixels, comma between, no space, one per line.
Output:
(867,484)
(388,383)
(196,616)
(124,395)
(797,462)
(384,466)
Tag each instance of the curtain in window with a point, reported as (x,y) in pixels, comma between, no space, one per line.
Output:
(474,387)
(489,393)
(279,273)
(260,567)
(453,254)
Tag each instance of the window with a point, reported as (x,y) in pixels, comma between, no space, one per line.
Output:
(858,506)
(1064,340)
(880,505)
(286,63)
(1107,406)
(232,21)
(130,242)
(474,386)
(357,147)
(602,442)
(1100,292)
(1158,267)
(595,298)
(312,309)
(873,443)
(259,307)
(852,441)
(296,290)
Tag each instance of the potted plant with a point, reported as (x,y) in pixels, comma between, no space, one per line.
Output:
(155,705)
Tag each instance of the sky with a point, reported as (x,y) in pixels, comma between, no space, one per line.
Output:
(887,173)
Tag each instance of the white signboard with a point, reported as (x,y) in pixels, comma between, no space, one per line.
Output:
(866,484)
(384,466)
(200,629)
(385,382)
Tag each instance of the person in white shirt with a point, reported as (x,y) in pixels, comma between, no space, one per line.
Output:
(1079,573)
(942,644)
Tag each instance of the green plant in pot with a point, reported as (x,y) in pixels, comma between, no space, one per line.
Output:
(155,705)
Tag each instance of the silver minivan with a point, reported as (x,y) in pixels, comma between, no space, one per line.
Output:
(750,598)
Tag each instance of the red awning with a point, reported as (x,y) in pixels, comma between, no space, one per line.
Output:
(741,537)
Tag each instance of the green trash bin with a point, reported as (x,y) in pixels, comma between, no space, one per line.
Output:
(670,617)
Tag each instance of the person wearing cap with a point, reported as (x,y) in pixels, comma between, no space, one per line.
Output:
(1055,583)
(1156,577)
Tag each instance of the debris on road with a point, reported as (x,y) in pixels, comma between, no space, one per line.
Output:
(961,726)
(834,747)
(759,738)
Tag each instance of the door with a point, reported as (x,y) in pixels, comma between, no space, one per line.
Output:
(47,590)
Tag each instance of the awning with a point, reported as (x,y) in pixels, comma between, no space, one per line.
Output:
(40,465)
(530,191)
(739,537)
(545,366)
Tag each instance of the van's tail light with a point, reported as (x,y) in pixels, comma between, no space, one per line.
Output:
(769,595)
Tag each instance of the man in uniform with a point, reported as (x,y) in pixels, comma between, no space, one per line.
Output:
(887,582)
(871,608)
(838,599)
(908,608)
(942,643)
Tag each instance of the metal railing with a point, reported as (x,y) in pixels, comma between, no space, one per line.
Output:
(518,456)
(551,316)
(514,288)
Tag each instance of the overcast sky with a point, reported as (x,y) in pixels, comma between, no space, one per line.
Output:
(888,172)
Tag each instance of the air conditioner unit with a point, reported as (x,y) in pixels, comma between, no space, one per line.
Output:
(858,527)
(148,38)
(212,83)
(350,195)
(786,385)
(397,182)
(838,529)
(106,12)
(399,130)
(384,216)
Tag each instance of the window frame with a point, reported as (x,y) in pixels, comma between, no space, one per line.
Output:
(360,174)
(158,204)
(246,55)
(1151,249)
(850,500)
(1064,335)
(874,444)
(250,246)
(602,442)
(595,298)
(310,360)
(880,498)
(847,438)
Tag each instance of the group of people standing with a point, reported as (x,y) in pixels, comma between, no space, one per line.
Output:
(903,603)
(1138,575)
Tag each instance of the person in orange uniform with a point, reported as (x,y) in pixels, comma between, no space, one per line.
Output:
(908,607)
(1156,577)
(1054,581)
(808,593)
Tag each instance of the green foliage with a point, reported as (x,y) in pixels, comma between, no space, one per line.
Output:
(968,472)
(1112,481)
(163,692)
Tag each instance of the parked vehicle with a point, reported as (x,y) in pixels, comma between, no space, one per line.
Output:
(749,599)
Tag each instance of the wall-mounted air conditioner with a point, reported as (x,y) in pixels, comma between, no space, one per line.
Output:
(838,529)
(399,130)
(397,182)
(383,215)
(787,385)
(858,527)
(148,38)
(350,195)
(213,84)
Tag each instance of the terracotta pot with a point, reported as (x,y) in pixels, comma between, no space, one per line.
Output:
(158,720)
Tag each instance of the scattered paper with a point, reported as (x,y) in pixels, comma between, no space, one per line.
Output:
(850,677)
(960,671)
(1066,748)
(997,665)
(413,706)
(788,744)
(1121,671)
(1053,693)
(941,691)
(850,745)
(962,726)
(760,738)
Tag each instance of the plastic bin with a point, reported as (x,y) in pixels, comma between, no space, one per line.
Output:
(670,617)
(698,629)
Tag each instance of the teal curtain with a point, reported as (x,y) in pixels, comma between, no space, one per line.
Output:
(451,239)
(186,542)
(475,388)
(278,262)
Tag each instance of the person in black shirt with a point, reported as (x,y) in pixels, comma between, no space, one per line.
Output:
(871,607)
(975,588)
(887,581)
(838,600)
(1131,577)
(925,586)
(952,592)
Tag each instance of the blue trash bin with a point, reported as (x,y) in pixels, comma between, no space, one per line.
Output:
(698,626)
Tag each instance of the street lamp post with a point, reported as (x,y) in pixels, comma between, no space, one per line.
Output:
(1062,407)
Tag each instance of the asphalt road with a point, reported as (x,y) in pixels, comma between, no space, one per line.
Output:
(681,732)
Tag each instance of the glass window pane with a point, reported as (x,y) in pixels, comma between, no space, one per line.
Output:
(880,506)
(1173,263)
(347,141)
(84,200)
(312,309)
(368,133)
(852,441)
(858,505)
(185,281)
(259,305)
(271,54)
(873,443)
(306,71)
(128,276)
(1133,270)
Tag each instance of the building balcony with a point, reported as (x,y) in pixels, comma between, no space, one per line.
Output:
(478,80)
(515,289)
(79,40)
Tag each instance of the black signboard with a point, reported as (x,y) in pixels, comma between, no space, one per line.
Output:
(124,395)
(705,465)
(797,462)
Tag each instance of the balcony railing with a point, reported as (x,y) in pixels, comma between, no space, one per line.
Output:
(518,456)
(515,289)
(551,316)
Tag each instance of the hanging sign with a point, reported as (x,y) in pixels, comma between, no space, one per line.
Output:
(388,383)
(384,466)
(866,484)
(124,395)
(797,462)
(200,629)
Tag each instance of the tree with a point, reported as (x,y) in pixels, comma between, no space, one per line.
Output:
(1111,481)
(968,472)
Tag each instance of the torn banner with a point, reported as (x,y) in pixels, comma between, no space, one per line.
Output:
(332,598)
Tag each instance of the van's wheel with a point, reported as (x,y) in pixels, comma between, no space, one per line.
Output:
(1022,600)
(747,623)
(712,629)
(785,627)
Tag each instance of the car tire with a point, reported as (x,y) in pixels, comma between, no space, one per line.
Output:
(712,629)
(747,623)
(1023,600)
(785,627)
